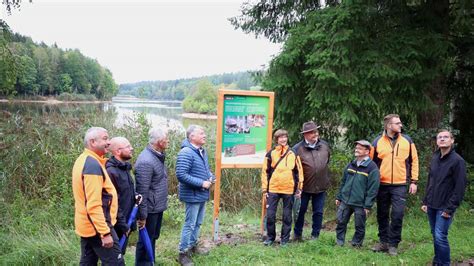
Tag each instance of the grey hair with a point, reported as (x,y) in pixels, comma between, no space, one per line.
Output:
(92,133)
(156,134)
(191,130)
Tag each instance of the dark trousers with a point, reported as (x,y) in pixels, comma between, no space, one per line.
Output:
(272,204)
(153,226)
(439,230)
(92,250)
(317,201)
(344,213)
(391,201)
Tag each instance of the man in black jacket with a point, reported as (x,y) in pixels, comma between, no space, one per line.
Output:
(444,192)
(118,169)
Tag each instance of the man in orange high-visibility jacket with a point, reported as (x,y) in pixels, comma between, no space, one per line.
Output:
(96,202)
(396,156)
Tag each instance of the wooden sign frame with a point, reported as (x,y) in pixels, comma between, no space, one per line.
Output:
(219,137)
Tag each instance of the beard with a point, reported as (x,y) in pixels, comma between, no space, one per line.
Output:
(126,157)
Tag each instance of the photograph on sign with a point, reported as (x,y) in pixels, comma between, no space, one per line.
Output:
(244,138)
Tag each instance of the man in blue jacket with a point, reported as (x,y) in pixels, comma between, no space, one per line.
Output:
(195,179)
(357,194)
(152,184)
(444,192)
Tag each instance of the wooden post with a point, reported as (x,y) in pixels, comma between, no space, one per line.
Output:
(264,212)
(218,172)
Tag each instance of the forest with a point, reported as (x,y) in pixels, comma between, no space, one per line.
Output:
(29,69)
(180,88)
(349,63)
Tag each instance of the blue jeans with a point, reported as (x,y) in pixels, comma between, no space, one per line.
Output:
(192,225)
(439,229)
(153,227)
(317,200)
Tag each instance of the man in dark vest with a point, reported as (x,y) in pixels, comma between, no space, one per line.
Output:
(314,154)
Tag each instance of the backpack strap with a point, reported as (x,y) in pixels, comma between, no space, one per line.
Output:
(272,169)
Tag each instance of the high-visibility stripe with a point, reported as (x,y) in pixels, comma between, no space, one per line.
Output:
(357,172)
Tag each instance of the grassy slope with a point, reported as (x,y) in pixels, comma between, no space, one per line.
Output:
(247,249)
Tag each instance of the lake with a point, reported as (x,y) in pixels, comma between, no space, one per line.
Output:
(158,113)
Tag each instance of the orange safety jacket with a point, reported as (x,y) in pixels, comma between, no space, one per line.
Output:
(397,160)
(287,172)
(95,196)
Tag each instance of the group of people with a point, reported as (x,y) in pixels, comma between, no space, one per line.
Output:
(383,172)
(105,194)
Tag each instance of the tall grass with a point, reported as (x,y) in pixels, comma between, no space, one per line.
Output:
(38,147)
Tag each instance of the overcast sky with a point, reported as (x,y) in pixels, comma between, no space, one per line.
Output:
(147,40)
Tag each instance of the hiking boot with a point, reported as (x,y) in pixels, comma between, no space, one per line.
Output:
(284,244)
(339,242)
(268,242)
(356,245)
(392,251)
(380,247)
(297,238)
(184,259)
(314,237)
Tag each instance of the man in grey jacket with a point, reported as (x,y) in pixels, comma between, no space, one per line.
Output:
(152,184)
(314,154)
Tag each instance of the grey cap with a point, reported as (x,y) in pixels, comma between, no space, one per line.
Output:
(364,143)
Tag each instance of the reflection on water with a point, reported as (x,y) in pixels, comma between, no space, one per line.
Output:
(158,113)
(161,113)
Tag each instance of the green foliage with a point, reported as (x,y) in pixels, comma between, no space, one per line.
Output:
(27,75)
(174,216)
(202,100)
(65,83)
(273,19)
(351,63)
(37,207)
(8,73)
(342,59)
(53,246)
(28,68)
(66,96)
(180,88)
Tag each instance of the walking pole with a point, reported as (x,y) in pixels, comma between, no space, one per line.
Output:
(264,212)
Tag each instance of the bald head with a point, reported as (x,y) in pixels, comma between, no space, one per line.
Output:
(121,148)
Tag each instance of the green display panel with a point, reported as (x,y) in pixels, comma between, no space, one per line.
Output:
(245,127)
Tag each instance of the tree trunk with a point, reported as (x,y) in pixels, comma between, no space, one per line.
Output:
(431,118)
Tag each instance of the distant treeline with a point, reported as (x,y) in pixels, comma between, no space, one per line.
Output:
(28,68)
(180,88)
